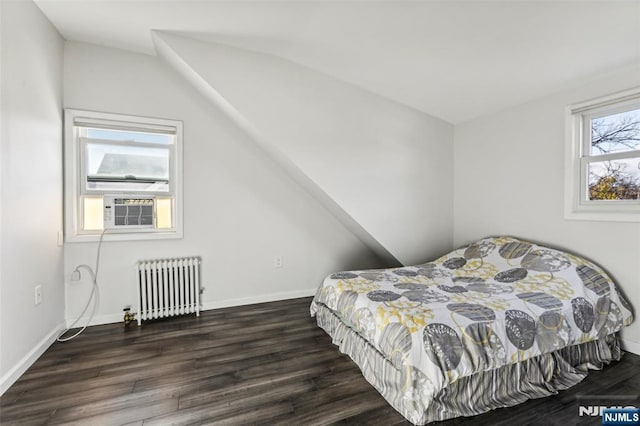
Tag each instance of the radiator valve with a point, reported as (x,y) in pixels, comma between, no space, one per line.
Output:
(128,316)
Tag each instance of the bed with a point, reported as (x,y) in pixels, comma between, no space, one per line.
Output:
(489,325)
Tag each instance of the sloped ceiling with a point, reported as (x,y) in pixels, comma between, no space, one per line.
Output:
(452,60)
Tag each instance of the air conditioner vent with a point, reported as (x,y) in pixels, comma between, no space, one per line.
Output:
(133,215)
(121,212)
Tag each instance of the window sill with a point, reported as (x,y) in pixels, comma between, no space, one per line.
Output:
(600,214)
(124,236)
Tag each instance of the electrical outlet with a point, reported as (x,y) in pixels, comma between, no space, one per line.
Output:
(277,262)
(38,294)
(75,275)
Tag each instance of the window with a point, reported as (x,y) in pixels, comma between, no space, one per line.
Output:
(123,174)
(603,158)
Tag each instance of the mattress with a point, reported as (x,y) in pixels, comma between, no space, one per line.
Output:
(507,318)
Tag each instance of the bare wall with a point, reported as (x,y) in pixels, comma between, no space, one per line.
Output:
(31,210)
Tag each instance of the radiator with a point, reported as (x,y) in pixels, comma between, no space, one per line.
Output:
(168,287)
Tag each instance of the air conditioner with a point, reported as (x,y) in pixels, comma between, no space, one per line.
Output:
(126,212)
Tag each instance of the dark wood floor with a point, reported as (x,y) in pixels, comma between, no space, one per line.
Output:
(259,364)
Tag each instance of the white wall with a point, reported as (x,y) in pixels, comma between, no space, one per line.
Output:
(389,167)
(31,210)
(509,179)
(240,209)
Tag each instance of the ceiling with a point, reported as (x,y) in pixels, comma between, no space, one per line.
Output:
(453,60)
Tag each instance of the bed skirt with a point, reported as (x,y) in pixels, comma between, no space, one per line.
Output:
(408,391)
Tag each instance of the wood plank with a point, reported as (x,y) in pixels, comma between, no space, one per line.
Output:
(41,403)
(117,415)
(261,364)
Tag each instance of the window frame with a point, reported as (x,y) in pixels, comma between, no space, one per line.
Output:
(578,157)
(75,176)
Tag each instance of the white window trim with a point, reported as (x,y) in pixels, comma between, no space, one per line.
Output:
(576,207)
(73,176)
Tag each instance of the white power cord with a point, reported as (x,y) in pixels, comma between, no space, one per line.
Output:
(95,295)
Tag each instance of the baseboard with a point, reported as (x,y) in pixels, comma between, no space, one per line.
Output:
(97,320)
(272,297)
(118,317)
(630,346)
(27,361)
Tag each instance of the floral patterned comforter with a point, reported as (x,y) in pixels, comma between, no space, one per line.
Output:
(492,303)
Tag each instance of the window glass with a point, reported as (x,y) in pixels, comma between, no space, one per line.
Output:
(614,179)
(164,207)
(120,167)
(615,133)
(92,210)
